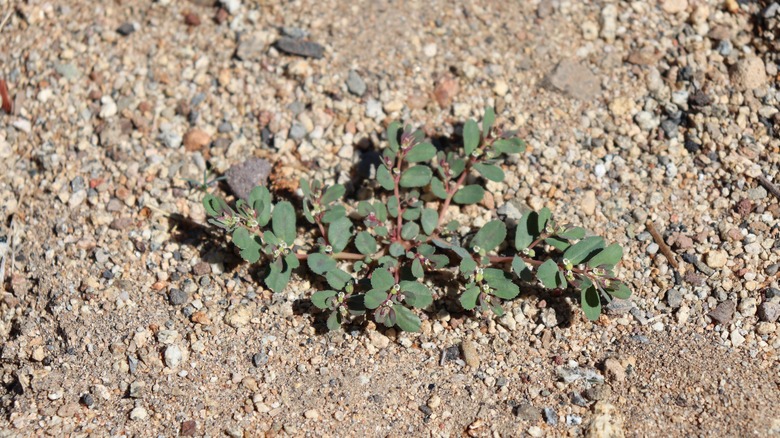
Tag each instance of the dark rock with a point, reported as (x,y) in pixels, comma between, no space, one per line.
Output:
(355,84)
(126,29)
(669,126)
(87,400)
(177,297)
(772,269)
(768,311)
(596,393)
(201,268)
(526,411)
(225,128)
(550,416)
(188,428)
(771,293)
(77,184)
(577,399)
(426,410)
(724,312)
(306,49)
(259,359)
(120,223)
(574,80)
(674,298)
(699,98)
(243,177)
(692,147)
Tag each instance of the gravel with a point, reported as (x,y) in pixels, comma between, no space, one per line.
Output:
(633,112)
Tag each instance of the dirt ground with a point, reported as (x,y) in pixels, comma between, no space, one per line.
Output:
(122,315)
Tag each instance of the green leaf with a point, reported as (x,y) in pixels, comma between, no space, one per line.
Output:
(439,260)
(505,289)
(421,152)
(307,212)
(249,244)
(406,319)
(470,136)
(381,211)
(542,218)
(416,294)
(430,219)
(334,213)
(457,165)
(384,178)
(260,201)
(559,244)
(488,120)
(572,233)
(339,233)
(490,236)
(584,249)
(214,206)
(521,269)
(467,266)
(619,290)
(591,303)
(334,320)
(382,279)
(392,136)
(374,298)
(320,298)
(283,222)
(410,230)
(469,194)
(337,278)
(523,233)
(334,193)
(381,231)
(609,256)
(365,243)
(392,206)
(412,214)
(509,146)
(305,188)
(397,250)
(437,188)
(365,208)
(468,300)
(417,269)
(546,273)
(278,276)
(320,263)
(490,171)
(416,176)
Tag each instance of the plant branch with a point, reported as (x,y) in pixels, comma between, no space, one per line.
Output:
(451,192)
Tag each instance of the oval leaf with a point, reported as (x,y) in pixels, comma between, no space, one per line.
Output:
(339,233)
(469,194)
(384,178)
(283,222)
(416,176)
(406,319)
(421,152)
(320,263)
(381,279)
(410,230)
(609,256)
(374,298)
(365,243)
(488,120)
(334,193)
(470,137)
(416,294)
(430,219)
(547,273)
(490,171)
(320,298)
(468,300)
(584,249)
(591,303)
(490,236)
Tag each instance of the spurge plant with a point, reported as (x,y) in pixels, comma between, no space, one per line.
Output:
(380,257)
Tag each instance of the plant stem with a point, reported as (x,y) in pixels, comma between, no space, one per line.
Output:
(397,193)
(451,192)
(337,256)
